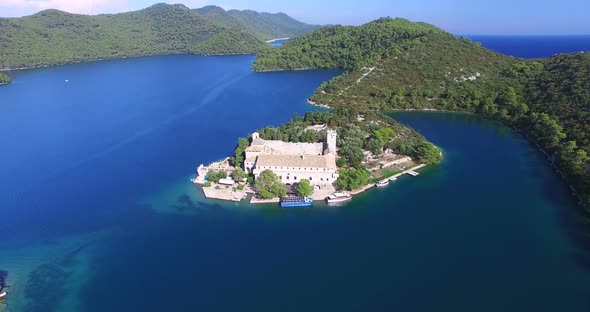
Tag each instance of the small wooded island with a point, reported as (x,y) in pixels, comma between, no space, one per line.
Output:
(316,155)
(4,79)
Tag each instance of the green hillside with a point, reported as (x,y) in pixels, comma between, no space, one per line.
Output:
(270,26)
(396,64)
(263,25)
(54,37)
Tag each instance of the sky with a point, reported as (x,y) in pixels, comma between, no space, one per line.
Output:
(493,17)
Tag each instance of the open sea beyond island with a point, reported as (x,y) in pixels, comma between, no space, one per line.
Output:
(97,212)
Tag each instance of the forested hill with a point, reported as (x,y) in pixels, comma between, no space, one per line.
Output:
(396,64)
(263,25)
(55,37)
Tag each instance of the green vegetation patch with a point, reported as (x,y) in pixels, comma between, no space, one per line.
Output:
(394,64)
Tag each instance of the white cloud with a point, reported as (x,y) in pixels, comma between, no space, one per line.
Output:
(72,6)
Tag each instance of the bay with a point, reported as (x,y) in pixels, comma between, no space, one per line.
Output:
(97,212)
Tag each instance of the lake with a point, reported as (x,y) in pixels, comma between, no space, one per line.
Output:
(98,213)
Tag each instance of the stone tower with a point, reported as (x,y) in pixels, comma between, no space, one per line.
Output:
(331,141)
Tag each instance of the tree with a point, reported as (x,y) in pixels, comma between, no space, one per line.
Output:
(350,179)
(4,78)
(238,174)
(304,188)
(269,185)
(309,136)
(215,176)
(375,146)
(428,153)
(238,158)
(384,134)
(279,190)
(546,130)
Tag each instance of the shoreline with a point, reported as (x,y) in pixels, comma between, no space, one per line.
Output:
(277,39)
(514,128)
(228,193)
(9,69)
(282,70)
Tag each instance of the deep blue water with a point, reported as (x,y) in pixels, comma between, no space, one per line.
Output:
(97,213)
(534,46)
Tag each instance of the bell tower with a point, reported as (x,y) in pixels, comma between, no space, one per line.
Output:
(331,141)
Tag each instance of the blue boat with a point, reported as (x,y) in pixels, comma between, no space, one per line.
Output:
(296,201)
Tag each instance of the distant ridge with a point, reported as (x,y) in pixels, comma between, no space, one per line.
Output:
(263,25)
(52,37)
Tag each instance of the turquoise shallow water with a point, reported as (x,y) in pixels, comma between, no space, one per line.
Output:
(99,214)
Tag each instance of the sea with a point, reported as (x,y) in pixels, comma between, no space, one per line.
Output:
(534,46)
(97,211)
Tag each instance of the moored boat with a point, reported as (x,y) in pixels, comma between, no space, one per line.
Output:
(338,197)
(3,295)
(383,182)
(296,201)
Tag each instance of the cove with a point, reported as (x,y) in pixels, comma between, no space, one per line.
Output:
(99,214)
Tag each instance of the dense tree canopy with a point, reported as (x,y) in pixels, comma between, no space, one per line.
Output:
(239,152)
(54,37)
(4,79)
(304,188)
(269,185)
(215,176)
(352,178)
(395,64)
(239,174)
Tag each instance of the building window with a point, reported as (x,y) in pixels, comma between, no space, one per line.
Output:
(310,178)
(288,177)
(295,178)
(321,179)
(281,177)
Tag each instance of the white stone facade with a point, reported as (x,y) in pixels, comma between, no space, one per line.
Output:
(293,162)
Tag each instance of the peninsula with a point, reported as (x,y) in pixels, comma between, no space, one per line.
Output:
(317,155)
(394,64)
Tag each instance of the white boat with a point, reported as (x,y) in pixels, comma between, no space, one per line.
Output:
(383,182)
(3,295)
(338,197)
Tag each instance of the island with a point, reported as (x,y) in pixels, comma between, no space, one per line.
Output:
(395,64)
(4,79)
(316,156)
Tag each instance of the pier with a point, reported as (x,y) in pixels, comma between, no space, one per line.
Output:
(412,173)
(392,178)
